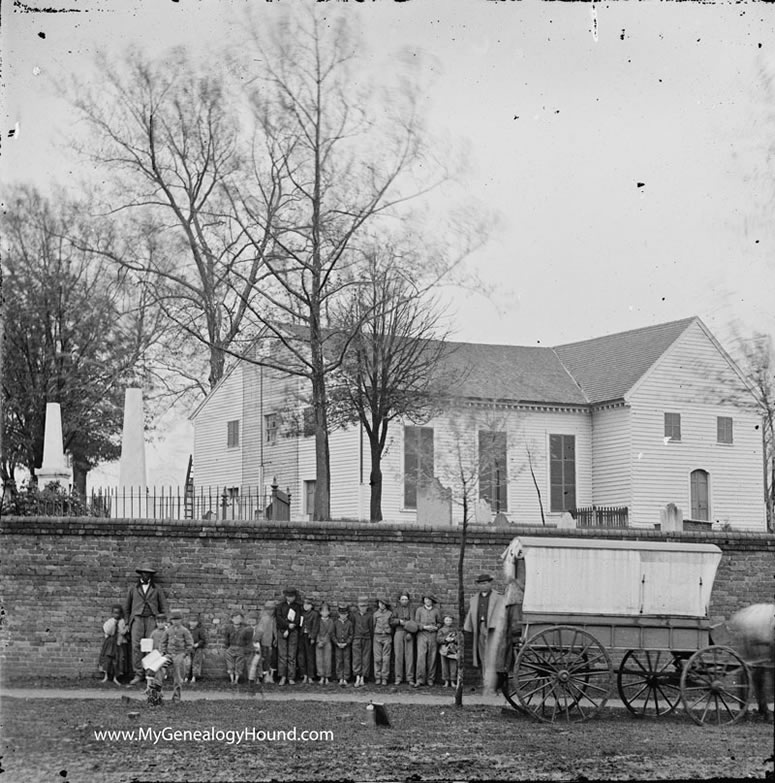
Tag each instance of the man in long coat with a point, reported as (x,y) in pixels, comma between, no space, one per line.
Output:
(143,602)
(485,608)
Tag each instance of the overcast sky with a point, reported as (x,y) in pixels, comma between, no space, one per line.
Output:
(626,146)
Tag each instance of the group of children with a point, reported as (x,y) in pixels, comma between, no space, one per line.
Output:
(295,638)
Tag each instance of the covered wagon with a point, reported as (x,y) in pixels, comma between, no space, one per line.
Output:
(595,612)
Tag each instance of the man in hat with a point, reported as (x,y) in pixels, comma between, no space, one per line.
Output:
(363,631)
(483,611)
(288,617)
(144,601)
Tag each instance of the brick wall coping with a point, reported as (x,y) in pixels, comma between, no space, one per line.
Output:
(355,531)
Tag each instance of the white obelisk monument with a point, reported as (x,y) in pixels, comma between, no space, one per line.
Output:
(54,467)
(132,466)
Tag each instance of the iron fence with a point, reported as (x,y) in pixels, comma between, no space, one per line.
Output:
(601,516)
(159,503)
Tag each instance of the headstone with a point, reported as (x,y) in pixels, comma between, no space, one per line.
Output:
(132,466)
(54,467)
(482,512)
(671,518)
(434,504)
(566,521)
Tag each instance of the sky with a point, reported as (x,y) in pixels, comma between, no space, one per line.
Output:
(626,148)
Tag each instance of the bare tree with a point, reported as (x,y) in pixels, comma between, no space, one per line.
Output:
(757,360)
(168,133)
(394,365)
(346,162)
(461,472)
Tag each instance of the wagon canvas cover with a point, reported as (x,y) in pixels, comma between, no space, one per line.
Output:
(585,576)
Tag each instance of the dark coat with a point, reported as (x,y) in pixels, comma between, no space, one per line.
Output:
(136,602)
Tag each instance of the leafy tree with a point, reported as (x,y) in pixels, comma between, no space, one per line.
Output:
(76,330)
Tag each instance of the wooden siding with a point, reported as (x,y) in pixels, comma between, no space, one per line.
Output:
(611,468)
(457,434)
(215,465)
(695,380)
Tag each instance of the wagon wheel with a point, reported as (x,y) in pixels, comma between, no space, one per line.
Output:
(562,673)
(715,685)
(648,682)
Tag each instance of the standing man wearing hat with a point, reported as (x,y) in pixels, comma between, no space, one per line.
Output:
(485,607)
(288,616)
(403,639)
(383,641)
(143,602)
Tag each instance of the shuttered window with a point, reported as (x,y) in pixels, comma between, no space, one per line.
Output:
(493,480)
(673,426)
(724,429)
(562,472)
(418,461)
(232,434)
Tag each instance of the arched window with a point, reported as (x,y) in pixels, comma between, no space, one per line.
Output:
(700,495)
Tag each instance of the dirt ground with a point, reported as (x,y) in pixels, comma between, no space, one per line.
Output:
(48,739)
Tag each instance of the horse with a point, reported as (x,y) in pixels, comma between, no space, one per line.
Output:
(751,633)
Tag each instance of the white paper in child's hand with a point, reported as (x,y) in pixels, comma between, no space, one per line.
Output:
(291,615)
(154,661)
(146,645)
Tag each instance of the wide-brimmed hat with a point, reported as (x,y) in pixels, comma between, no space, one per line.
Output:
(363,599)
(483,579)
(145,569)
(431,597)
(290,591)
(383,599)
(176,615)
(270,605)
(342,607)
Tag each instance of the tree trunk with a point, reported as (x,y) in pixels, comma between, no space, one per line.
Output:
(322,510)
(217,363)
(461,606)
(80,471)
(375,481)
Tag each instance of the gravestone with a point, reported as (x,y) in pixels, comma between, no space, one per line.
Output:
(671,518)
(54,467)
(434,504)
(482,512)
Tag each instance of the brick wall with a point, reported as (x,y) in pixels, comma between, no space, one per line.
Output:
(59,577)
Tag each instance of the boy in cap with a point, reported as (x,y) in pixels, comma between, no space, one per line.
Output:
(288,616)
(483,611)
(428,618)
(403,639)
(323,644)
(180,643)
(237,639)
(383,641)
(196,659)
(343,639)
(310,620)
(143,602)
(363,628)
